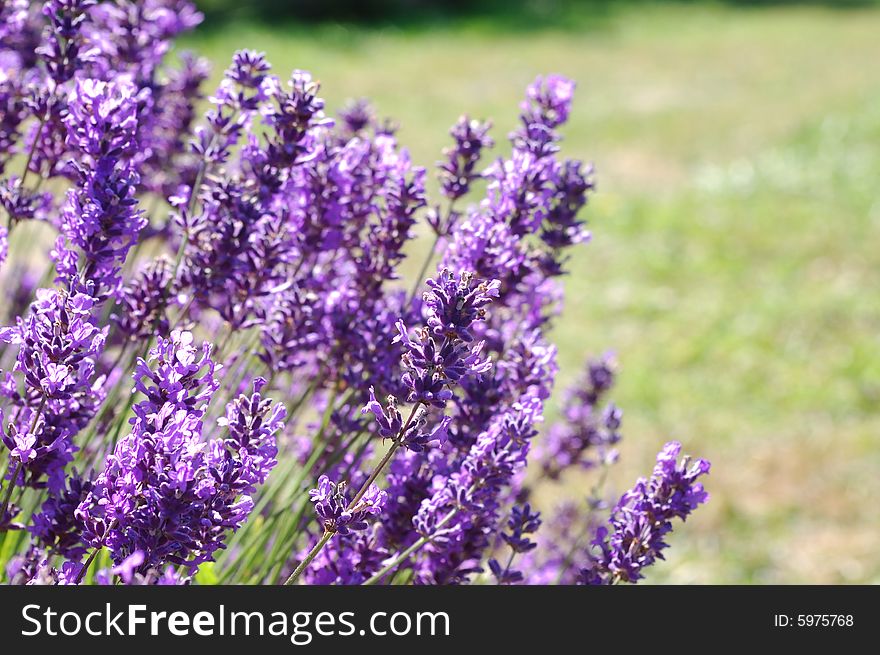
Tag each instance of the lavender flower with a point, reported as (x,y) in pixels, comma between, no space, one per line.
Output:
(143,302)
(55,526)
(58,346)
(252,422)
(164,490)
(548,100)
(62,51)
(348,559)
(102,118)
(586,436)
(521,522)
(12,109)
(391,425)
(178,374)
(457,172)
(356,116)
(473,490)
(639,523)
(334,509)
(292,115)
(452,305)
(133,37)
(22,204)
(164,132)
(101,218)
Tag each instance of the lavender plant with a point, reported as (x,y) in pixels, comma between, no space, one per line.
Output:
(213,367)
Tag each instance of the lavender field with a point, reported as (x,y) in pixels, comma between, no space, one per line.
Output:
(251,255)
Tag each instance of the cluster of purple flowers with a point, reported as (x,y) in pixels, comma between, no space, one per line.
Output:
(586,435)
(256,250)
(165,492)
(522,522)
(100,221)
(58,345)
(643,517)
(338,513)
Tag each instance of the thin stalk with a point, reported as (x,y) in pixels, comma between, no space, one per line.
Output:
(420,277)
(88,563)
(122,352)
(403,556)
(316,453)
(360,494)
(8,495)
(184,312)
(313,553)
(218,355)
(342,452)
(428,258)
(275,563)
(387,458)
(507,566)
(293,410)
(106,414)
(595,495)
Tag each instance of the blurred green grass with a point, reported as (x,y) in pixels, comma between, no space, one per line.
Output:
(735,265)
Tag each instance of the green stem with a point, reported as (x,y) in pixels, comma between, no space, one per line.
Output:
(403,556)
(387,458)
(360,494)
(184,312)
(313,553)
(508,565)
(88,563)
(218,355)
(8,495)
(420,277)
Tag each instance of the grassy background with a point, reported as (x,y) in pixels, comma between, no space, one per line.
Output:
(735,267)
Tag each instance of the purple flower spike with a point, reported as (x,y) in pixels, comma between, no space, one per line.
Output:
(454,302)
(100,221)
(548,100)
(165,490)
(102,119)
(522,522)
(639,523)
(458,170)
(331,505)
(414,437)
(62,50)
(587,435)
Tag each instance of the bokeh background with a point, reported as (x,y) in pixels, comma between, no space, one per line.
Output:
(735,265)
